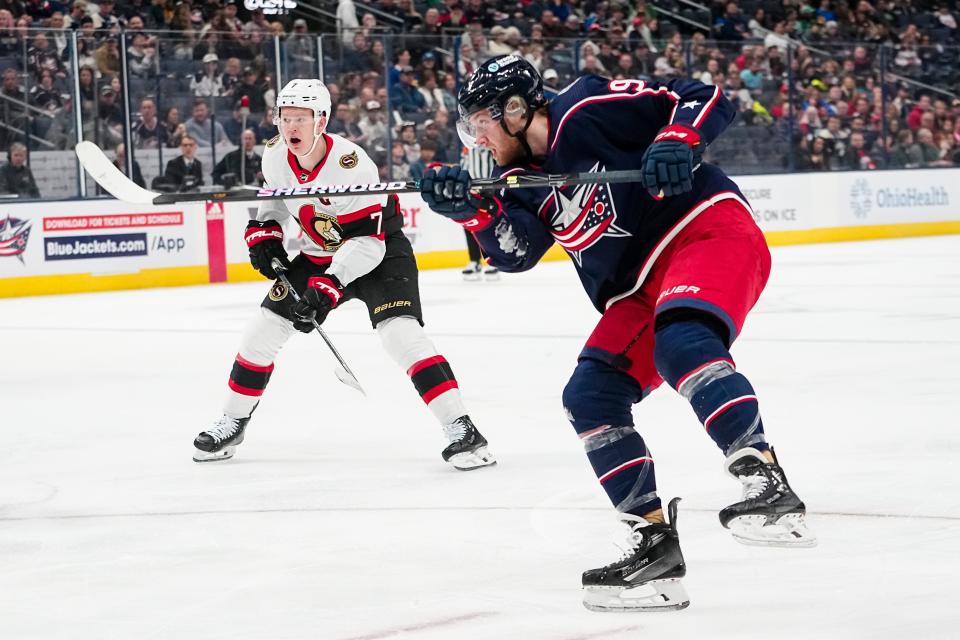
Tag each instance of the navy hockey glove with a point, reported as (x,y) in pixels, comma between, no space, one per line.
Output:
(265,241)
(322,294)
(447,191)
(669,162)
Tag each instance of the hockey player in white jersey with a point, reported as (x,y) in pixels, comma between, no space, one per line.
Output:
(355,248)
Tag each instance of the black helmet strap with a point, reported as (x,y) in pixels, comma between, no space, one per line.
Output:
(521,135)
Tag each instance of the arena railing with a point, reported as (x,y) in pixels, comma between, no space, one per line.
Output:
(101,89)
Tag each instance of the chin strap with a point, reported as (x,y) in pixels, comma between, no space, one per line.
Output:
(521,136)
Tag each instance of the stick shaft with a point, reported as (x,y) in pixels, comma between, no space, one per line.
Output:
(316,325)
(410,186)
(111,179)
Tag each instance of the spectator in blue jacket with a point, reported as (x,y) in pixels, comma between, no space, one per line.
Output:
(404,96)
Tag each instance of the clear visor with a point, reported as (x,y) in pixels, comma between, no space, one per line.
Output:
(475,126)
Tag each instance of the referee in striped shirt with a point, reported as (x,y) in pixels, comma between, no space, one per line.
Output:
(480,163)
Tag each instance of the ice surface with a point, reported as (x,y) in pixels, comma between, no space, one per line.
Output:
(338,519)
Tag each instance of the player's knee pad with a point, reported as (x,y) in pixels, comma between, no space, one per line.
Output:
(692,357)
(405,341)
(599,394)
(264,336)
(684,344)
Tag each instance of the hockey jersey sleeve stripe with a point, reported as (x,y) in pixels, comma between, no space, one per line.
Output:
(642,92)
(695,116)
(545,205)
(706,109)
(344,218)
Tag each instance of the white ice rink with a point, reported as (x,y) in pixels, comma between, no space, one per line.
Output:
(338,520)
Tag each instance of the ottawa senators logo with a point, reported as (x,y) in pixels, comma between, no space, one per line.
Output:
(278,291)
(350,160)
(272,142)
(329,231)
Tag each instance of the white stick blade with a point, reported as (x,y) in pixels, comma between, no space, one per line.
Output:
(346,378)
(109,177)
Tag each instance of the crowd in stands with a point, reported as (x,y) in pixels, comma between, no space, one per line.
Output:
(820,85)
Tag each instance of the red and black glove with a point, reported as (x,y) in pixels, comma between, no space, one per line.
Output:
(265,241)
(322,294)
(669,163)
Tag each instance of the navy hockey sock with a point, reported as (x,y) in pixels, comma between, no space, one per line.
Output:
(692,357)
(598,400)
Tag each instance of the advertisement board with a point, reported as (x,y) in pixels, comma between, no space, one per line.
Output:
(100,244)
(43,244)
(102,236)
(854,205)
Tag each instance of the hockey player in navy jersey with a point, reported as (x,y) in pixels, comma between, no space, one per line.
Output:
(673,263)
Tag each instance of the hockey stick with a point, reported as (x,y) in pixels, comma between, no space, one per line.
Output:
(343,372)
(110,178)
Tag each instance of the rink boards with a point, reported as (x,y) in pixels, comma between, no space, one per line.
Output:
(95,245)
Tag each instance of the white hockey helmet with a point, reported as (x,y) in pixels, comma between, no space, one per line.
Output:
(303,93)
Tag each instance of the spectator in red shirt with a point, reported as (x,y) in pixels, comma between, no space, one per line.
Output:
(922,106)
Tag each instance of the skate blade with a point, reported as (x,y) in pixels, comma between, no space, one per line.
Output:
(213,456)
(470,460)
(656,595)
(471,277)
(491,277)
(789,530)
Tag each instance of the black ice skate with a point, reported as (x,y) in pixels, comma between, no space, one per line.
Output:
(467,449)
(221,440)
(647,577)
(471,273)
(770,514)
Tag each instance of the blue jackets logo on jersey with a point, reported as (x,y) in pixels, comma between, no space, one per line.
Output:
(579,217)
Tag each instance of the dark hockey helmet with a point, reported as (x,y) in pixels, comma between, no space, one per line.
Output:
(492,86)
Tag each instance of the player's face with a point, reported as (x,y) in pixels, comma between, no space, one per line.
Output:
(488,133)
(298,128)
